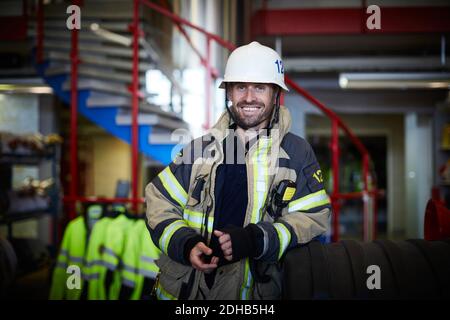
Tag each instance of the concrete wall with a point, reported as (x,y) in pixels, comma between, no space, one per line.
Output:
(419,171)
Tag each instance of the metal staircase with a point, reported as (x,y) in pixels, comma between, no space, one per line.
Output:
(105,72)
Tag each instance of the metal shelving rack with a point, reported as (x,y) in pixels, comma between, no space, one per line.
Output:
(52,154)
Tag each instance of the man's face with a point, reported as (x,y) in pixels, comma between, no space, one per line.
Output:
(252,104)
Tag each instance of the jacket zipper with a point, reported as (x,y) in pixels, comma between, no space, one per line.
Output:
(208,209)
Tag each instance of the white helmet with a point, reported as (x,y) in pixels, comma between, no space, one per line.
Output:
(254,63)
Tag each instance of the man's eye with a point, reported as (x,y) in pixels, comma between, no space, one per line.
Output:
(260,88)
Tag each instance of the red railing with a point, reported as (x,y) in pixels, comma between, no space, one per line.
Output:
(337,123)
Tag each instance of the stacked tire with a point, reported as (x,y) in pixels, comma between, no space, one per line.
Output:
(8,266)
(410,269)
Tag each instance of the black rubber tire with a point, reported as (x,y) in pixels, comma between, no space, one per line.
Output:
(297,275)
(437,254)
(356,256)
(421,284)
(320,270)
(341,273)
(412,269)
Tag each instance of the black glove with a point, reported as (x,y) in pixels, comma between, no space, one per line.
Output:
(189,244)
(245,242)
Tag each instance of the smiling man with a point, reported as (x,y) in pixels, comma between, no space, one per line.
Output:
(224,216)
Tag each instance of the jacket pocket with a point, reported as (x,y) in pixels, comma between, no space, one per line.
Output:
(270,290)
(227,283)
(172,276)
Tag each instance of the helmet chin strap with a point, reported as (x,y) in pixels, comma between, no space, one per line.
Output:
(276,112)
(228,105)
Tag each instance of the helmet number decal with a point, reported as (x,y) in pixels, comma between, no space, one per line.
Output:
(280,66)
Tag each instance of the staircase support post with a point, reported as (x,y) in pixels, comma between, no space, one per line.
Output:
(208,84)
(135,108)
(335,169)
(40,31)
(74,58)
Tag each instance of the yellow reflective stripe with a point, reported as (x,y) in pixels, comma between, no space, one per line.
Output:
(162,294)
(248,281)
(147,263)
(173,187)
(260,178)
(128,275)
(168,233)
(195,219)
(312,200)
(284,237)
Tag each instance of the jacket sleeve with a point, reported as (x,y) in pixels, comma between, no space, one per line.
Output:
(59,278)
(166,197)
(307,214)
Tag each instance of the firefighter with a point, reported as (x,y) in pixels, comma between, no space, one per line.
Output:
(232,202)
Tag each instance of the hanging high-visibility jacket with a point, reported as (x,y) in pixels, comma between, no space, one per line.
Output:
(71,254)
(138,261)
(113,249)
(130,260)
(93,261)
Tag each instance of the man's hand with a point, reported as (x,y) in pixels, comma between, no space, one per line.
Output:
(225,244)
(196,259)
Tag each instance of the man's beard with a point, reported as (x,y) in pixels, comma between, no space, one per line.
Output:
(250,122)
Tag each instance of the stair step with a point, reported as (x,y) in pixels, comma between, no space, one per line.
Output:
(101,86)
(161,136)
(101,49)
(95,60)
(123,118)
(83,36)
(92,72)
(100,100)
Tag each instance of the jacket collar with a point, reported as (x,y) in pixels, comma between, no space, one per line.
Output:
(225,122)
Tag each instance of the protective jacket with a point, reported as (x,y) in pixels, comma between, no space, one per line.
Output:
(181,208)
(71,254)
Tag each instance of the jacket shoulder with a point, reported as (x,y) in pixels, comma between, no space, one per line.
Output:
(194,149)
(297,148)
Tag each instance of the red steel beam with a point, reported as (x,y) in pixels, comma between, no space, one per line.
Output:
(335,165)
(74,58)
(208,83)
(135,108)
(289,22)
(40,32)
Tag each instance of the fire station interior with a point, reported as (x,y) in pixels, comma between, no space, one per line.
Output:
(89,116)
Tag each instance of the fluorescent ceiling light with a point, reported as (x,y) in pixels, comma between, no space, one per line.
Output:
(394,80)
(24,88)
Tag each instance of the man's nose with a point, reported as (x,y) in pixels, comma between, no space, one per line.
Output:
(250,96)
